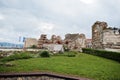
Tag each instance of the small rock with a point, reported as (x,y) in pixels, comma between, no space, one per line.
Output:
(19,78)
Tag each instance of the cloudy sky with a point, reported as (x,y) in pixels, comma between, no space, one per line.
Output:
(31,18)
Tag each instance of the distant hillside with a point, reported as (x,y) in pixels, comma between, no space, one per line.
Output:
(10,45)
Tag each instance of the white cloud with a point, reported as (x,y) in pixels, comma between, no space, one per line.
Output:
(2,17)
(30,18)
(88,1)
(46,27)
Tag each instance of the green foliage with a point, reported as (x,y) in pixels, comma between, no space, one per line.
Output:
(72,54)
(83,65)
(44,54)
(33,46)
(16,56)
(102,53)
(75,52)
(68,54)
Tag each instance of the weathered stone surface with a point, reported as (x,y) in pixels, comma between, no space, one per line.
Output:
(43,39)
(75,41)
(104,36)
(8,79)
(30,42)
(40,77)
(19,78)
(88,43)
(56,39)
(14,78)
(2,78)
(29,78)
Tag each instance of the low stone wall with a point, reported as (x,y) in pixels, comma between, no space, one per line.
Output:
(37,76)
(31,78)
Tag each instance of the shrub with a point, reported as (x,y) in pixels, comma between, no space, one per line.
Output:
(33,46)
(75,52)
(17,56)
(102,53)
(71,54)
(45,54)
(68,54)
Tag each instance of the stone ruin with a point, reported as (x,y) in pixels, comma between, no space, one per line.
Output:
(71,41)
(56,39)
(75,41)
(44,40)
(104,36)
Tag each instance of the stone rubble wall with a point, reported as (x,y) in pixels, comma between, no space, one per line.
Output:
(104,37)
(32,78)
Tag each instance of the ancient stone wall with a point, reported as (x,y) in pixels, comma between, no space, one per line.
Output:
(110,39)
(88,43)
(75,41)
(42,40)
(32,78)
(97,37)
(30,42)
(104,37)
(54,40)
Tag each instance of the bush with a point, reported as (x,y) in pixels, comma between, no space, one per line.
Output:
(102,53)
(71,54)
(17,56)
(45,54)
(33,47)
(68,54)
(75,52)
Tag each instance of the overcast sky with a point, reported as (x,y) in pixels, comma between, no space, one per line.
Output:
(31,18)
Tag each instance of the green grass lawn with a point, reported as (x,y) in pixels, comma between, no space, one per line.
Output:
(83,65)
